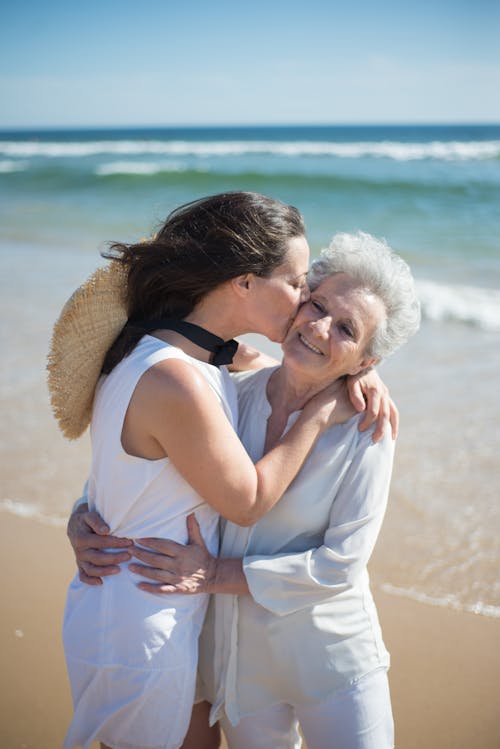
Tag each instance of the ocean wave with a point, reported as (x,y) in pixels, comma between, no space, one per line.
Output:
(31,512)
(13,166)
(263,176)
(464,304)
(449,601)
(140,168)
(395,150)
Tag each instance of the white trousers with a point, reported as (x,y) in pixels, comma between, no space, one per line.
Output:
(358,718)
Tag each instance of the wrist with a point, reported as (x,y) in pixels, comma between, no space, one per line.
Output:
(214,574)
(320,418)
(211,575)
(229,577)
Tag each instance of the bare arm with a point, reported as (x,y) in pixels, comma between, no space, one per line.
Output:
(212,454)
(287,581)
(90,537)
(174,409)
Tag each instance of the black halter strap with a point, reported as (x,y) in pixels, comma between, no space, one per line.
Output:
(223,351)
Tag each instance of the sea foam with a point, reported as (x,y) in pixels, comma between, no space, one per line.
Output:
(395,150)
(449,601)
(464,304)
(13,166)
(30,511)
(141,168)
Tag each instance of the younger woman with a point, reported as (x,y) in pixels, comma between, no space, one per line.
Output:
(164,445)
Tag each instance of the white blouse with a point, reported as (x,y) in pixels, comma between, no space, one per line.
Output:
(310,627)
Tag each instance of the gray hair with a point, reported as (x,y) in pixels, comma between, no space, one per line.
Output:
(378,269)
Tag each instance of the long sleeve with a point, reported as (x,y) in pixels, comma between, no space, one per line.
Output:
(288,582)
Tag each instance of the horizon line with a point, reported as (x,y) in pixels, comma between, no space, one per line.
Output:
(241,126)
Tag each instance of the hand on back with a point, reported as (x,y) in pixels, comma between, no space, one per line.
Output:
(91,542)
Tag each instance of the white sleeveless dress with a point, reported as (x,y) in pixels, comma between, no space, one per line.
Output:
(132,656)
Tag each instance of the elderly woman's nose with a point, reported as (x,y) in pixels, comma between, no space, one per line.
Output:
(322,326)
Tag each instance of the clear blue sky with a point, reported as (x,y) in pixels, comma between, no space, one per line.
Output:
(166,62)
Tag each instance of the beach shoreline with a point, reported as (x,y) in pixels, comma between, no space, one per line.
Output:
(444,673)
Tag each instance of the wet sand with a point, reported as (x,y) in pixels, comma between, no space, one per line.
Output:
(445,673)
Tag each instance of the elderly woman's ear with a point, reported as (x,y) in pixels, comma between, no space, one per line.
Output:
(364,365)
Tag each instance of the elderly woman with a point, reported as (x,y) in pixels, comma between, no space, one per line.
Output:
(293,635)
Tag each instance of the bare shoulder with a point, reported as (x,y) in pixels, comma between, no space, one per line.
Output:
(174,379)
(171,404)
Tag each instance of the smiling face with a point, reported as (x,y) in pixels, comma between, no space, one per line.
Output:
(275,299)
(332,330)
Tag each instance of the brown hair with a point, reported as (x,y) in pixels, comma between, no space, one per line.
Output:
(200,246)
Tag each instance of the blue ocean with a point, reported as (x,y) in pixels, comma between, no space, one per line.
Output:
(433,192)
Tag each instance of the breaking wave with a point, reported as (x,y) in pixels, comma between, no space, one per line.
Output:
(464,304)
(394,150)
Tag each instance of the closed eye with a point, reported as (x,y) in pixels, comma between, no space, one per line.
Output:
(300,283)
(317,305)
(346,330)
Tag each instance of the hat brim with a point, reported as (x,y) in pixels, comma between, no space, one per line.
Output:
(89,323)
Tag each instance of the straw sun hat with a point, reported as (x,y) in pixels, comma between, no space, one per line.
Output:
(90,321)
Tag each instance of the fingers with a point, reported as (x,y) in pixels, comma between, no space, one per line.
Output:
(94,570)
(93,541)
(184,588)
(151,588)
(393,418)
(83,541)
(371,411)
(87,579)
(152,573)
(380,410)
(92,574)
(96,523)
(92,550)
(379,407)
(382,420)
(356,394)
(98,527)
(162,545)
(83,536)
(162,561)
(102,558)
(194,532)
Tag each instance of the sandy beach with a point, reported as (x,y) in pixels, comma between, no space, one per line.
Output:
(444,675)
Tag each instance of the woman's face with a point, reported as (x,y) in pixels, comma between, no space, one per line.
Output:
(276,298)
(332,330)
